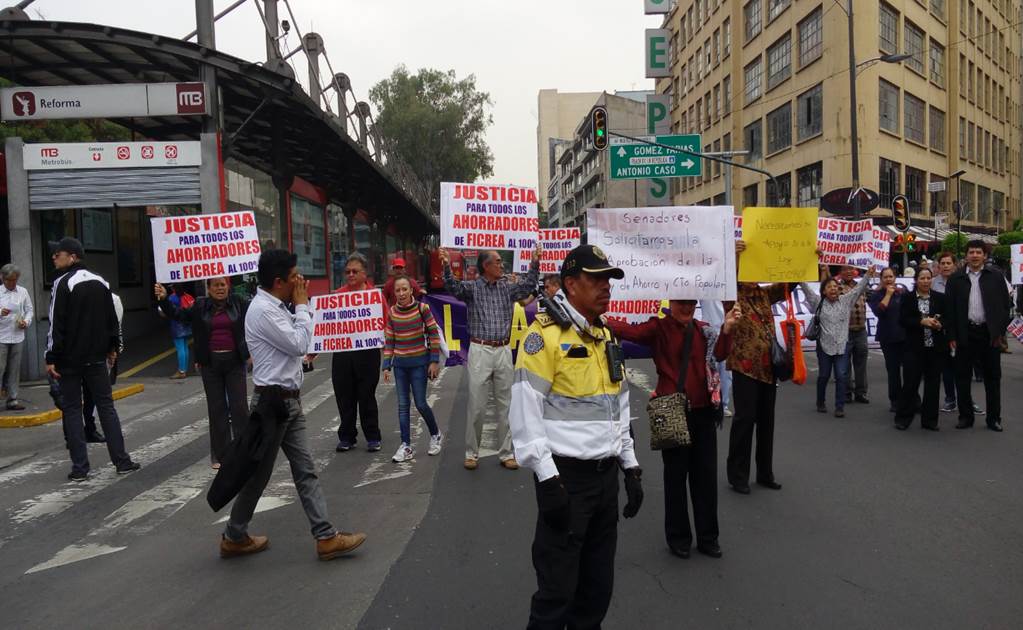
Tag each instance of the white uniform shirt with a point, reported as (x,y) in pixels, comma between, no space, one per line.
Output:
(277,341)
(975,310)
(20,305)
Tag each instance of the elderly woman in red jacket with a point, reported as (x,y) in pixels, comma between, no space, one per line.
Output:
(695,464)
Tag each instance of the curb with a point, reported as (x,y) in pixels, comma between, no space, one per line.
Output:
(45,417)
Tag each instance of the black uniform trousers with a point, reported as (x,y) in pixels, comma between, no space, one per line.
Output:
(754,408)
(575,568)
(355,376)
(696,465)
(978,351)
(926,364)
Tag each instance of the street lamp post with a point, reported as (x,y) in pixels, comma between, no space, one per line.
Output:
(958,209)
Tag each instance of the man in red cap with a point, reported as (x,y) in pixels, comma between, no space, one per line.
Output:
(398,271)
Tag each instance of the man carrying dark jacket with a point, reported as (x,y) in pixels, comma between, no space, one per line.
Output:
(84,335)
(978,315)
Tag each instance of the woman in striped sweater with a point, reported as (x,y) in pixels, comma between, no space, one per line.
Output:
(412,351)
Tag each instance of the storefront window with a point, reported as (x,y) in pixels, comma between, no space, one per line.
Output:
(129,246)
(308,237)
(252,189)
(97,230)
(54,225)
(339,242)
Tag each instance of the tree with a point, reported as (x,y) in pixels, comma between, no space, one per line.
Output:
(435,123)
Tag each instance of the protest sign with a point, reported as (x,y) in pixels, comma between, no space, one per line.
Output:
(1016,328)
(1017,263)
(882,248)
(487,217)
(556,243)
(203,246)
(846,242)
(781,245)
(352,320)
(677,253)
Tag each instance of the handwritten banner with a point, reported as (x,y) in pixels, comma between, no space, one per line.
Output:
(342,322)
(681,253)
(487,217)
(204,246)
(846,242)
(556,243)
(1017,263)
(780,245)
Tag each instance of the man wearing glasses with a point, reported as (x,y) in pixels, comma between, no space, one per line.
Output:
(490,299)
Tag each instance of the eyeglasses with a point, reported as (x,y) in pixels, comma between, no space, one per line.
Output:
(352,272)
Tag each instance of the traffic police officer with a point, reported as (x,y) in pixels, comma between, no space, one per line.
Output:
(570,424)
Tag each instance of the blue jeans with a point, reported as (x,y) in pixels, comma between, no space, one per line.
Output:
(825,363)
(726,385)
(416,378)
(181,345)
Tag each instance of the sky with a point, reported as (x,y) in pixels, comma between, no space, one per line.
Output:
(514,47)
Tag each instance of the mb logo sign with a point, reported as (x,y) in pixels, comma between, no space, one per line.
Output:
(191,98)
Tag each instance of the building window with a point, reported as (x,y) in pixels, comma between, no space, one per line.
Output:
(726,95)
(809,181)
(308,240)
(749,196)
(966,190)
(775,7)
(939,199)
(753,74)
(937,64)
(716,48)
(779,129)
(810,112)
(983,204)
(706,171)
(937,128)
(962,138)
(913,123)
(888,181)
(752,14)
(915,185)
(706,56)
(810,37)
(780,195)
(753,136)
(889,30)
(717,102)
(888,107)
(969,142)
(779,61)
(914,45)
(717,165)
(726,38)
(938,8)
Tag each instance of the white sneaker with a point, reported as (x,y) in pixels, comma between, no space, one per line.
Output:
(728,412)
(403,454)
(435,444)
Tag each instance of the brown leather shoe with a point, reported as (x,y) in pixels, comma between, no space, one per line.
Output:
(510,463)
(341,543)
(251,544)
(471,463)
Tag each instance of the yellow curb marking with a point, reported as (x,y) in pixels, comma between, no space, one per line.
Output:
(33,420)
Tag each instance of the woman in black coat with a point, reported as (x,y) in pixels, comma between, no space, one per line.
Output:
(921,315)
(218,326)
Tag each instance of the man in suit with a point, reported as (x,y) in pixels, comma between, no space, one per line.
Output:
(978,315)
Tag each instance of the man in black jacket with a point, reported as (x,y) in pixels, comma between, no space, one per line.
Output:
(978,315)
(84,335)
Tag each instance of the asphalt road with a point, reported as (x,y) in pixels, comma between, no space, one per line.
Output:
(874,528)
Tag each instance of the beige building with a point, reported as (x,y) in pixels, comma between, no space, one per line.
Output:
(580,177)
(772,77)
(558,115)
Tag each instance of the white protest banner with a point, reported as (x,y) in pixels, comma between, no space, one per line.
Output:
(1017,263)
(882,248)
(683,253)
(485,216)
(846,242)
(804,313)
(352,320)
(556,243)
(1016,328)
(203,246)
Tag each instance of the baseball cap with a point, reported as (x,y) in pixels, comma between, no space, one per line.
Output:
(69,245)
(398,262)
(592,260)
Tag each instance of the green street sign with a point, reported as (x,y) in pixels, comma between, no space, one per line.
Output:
(632,160)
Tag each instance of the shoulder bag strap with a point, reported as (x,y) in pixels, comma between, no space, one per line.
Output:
(687,347)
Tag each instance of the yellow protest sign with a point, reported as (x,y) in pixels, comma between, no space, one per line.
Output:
(781,245)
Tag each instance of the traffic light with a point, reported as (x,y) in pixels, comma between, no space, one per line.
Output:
(910,243)
(899,245)
(598,127)
(900,213)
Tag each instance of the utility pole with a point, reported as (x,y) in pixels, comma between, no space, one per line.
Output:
(209,172)
(853,129)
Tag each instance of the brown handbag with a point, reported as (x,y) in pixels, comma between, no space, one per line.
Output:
(668,425)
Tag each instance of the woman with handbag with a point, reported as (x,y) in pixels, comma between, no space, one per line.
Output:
(926,353)
(886,302)
(833,322)
(412,350)
(686,354)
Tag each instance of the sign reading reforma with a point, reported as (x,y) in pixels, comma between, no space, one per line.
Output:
(1017,263)
(632,160)
(556,243)
(684,253)
(781,245)
(342,322)
(204,246)
(846,242)
(487,216)
(68,156)
(103,101)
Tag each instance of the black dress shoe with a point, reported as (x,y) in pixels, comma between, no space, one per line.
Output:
(680,551)
(930,427)
(741,489)
(773,485)
(964,424)
(710,549)
(901,426)
(862,399)
(94,437)
(995,426)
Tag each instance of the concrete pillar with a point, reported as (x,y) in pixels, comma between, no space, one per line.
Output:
(313,45)
(342,84)
(273,51)
(207,73)
(362,111)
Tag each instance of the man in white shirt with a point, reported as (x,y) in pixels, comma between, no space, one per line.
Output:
(277,342)
(15,316)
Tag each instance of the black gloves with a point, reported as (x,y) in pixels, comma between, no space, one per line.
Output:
(552,499)
(634,490)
